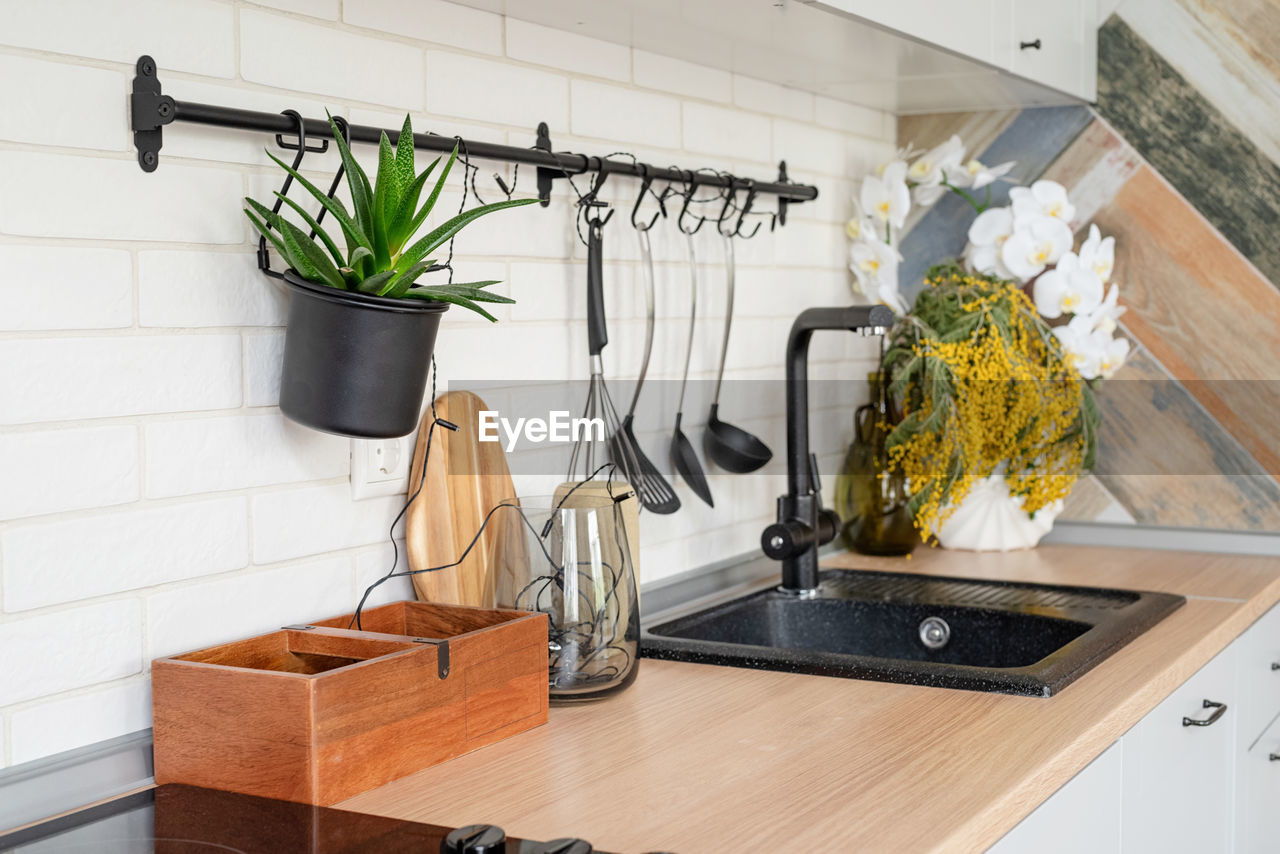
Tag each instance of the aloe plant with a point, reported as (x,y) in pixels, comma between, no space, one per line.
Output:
(385,217)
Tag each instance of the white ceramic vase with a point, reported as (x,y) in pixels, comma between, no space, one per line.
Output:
(989,519)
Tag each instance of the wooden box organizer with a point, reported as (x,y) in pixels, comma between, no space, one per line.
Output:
(319,713)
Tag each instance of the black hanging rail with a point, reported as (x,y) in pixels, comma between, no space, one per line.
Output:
(150,111)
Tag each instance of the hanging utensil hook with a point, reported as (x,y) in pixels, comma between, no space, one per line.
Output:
(264,259)
(746,209)
(729,203)
(646,187)
(684,208)
(592,198)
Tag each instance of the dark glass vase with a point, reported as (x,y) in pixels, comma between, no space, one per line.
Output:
(871,496)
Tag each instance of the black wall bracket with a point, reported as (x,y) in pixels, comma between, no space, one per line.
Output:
(150,110)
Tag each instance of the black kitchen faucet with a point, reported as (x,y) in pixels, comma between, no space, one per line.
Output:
(803,523)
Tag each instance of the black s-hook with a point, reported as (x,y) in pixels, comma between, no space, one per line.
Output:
(684,208)
(646,183)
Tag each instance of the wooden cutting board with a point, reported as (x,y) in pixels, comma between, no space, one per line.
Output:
(465,478)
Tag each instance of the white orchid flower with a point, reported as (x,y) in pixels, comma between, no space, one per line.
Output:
(885,198)
(1092,352)
(930,169)
(1043,198)
(1115,351)
(987,235)
(861,225)
(1081,346)
(875,269)
(1036,242)
(977,175)
(1069,288)
(1098,254)
(1104,318)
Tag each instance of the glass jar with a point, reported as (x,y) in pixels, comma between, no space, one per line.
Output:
(871,496)
(569,558)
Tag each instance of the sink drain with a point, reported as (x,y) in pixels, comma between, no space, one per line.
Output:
(934,632)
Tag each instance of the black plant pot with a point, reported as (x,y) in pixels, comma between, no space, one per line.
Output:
(355,364)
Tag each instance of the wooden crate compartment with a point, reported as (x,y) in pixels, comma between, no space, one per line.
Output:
(320,713)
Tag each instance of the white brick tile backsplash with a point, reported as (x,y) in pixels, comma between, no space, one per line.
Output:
(327,9)
(678,77)
(60,287)
(176,202)
(726,132)
(48,563)
(568,51)
(489,90)
(263,357)
(89,113)
(213,454)
(549,291)
(855,119)
(57,470)
(69,649)
(612,112)
(436,21)
(55,379)
(529,231)
(817,149)
(298,522)
(177,288)
(248,604)
(765,97)
(194,35)
(79,720)
(374,70)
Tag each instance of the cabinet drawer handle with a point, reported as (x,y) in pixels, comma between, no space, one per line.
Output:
(1024,45)
(1275,757)
(1219,709)
(1275,665)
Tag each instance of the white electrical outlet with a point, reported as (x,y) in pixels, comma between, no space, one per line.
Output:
(380,466)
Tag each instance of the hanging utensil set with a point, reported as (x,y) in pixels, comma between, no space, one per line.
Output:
(729,447)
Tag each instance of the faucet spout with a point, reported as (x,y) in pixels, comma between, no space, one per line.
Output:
(803,524)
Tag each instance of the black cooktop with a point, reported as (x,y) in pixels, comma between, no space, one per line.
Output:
(174,819)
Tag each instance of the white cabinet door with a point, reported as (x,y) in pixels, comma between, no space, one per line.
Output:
(1051,43)
(1258,795)
(963,27)
(1179,778)
(1083,817)
(1258,669)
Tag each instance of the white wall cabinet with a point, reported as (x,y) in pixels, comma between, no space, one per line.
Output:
(1050,43)
(1060,37)
(1167,787)
(901,56)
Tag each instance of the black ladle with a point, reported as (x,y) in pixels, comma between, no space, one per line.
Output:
(683,457)
(730,447)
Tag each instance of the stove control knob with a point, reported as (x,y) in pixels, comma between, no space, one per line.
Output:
(567,845)
(475,839)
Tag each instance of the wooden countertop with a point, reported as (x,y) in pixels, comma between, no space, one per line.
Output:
(695,758)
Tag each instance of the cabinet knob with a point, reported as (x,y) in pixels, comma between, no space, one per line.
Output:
(1035,45)
(1219,709)
(1275,665)
(1274,757)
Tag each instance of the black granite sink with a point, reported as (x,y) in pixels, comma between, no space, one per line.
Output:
(1005,637)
